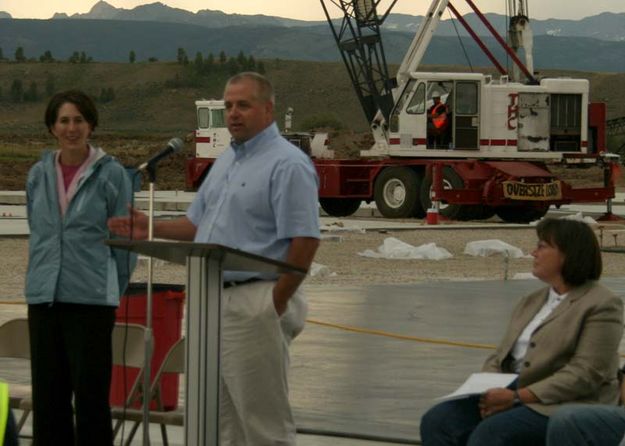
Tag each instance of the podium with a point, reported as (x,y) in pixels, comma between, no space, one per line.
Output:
(205,265)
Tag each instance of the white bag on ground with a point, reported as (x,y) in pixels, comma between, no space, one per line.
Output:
(393,248)
(485,248)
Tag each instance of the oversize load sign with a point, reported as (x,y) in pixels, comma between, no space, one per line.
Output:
(516,190)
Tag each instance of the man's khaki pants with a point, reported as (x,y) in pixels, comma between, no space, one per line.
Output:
(254,406)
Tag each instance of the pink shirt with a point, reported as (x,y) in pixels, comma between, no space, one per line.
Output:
(67,178)
(68,173)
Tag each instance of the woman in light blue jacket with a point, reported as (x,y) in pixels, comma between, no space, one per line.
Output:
(74,281)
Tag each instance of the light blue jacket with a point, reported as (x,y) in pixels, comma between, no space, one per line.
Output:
(67,258)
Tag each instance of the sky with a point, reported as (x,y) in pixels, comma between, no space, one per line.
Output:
(309,9)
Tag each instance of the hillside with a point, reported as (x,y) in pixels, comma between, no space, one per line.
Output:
(112,41)
(146,112)
(145,105)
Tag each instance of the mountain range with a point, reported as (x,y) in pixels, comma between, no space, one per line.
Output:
(155,30)
(604,26)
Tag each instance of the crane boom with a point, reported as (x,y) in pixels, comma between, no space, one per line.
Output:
(421,41)
(359,41)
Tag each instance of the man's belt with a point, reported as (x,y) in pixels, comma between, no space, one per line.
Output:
(231,283)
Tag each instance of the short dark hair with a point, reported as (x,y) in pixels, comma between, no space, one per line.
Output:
(577,241)
(265,89)
(81,100)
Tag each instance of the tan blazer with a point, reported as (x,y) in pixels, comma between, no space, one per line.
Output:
(573,355)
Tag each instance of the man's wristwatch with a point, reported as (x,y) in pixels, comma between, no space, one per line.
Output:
(516,401)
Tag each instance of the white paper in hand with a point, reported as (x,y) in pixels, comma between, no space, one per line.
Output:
(479,383)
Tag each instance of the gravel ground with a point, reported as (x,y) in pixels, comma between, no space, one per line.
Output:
(339,253)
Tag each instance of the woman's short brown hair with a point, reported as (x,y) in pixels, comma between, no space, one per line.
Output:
(82,101)
(577,241)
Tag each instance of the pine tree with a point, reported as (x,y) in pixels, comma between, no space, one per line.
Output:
(19,54)
(242,61)
(74,58)
(106,95)
(17,91)
(46,57)
(251,63)
(233,66)
(182,57)
(261,67)
(199,62)
(32,94)
(222,57)
(131,56)
(50,85)
(209,63)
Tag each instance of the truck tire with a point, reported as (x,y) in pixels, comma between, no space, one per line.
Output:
(485,212)
(340,207)
(396,193)
(521,214)
(451,180)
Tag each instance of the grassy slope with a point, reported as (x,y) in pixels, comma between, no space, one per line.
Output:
(145,114)
(144,105)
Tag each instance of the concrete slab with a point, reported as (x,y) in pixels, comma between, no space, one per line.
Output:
(176,202)
(372,359)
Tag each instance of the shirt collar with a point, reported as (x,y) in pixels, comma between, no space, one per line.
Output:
(250,146)
(554,297)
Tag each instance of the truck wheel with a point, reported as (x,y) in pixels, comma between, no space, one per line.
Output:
(451,180)
(340,207)
(484,212)
(396,193)
(521,214)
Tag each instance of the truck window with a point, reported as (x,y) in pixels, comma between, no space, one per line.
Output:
(399,106)
(466,98)
(217,118)
(202,118)
(417,102)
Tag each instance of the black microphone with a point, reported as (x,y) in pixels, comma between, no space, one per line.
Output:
(173,146)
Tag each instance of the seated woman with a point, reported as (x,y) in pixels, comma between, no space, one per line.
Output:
(561,340)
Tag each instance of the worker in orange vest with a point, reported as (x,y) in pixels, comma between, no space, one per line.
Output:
(438,122)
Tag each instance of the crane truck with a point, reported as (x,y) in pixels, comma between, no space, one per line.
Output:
(491,148)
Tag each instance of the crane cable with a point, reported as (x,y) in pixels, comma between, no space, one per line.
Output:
(464,50)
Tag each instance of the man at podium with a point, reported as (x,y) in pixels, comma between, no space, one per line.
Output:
(260,196)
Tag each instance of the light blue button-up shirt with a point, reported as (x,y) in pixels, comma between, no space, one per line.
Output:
(258,196)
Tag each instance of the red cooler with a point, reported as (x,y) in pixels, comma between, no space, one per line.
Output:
(167,309)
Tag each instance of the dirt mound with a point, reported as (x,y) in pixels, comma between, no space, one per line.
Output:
(348,144)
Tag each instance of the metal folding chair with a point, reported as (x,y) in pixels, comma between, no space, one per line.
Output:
(15,344)
(174,362)
(128,351)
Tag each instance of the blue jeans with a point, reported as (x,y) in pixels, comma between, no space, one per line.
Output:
(587,424)
(458,423)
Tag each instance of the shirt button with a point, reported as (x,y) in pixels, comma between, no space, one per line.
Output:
(532,344)
(526,364)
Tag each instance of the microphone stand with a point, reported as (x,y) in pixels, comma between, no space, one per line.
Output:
(149,340)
